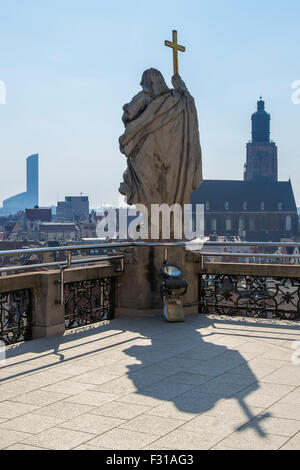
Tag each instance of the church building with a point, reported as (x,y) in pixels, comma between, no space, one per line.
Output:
(259,208)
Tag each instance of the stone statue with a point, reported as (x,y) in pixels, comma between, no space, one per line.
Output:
(161,143)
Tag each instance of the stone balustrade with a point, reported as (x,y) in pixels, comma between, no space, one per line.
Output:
(31,307)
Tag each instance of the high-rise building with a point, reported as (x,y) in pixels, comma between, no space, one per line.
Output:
(32,178)
(30,198)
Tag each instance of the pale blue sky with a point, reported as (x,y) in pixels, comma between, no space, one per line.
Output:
(69,66)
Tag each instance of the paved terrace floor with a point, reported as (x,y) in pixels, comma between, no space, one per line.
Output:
(141,383)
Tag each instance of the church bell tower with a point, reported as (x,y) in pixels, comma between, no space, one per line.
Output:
(261,163)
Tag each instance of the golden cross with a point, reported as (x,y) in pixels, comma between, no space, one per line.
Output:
(176,47)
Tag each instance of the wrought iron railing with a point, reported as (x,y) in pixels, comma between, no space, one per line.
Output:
(15,316)
(89,302)
(199,246)
(249,295)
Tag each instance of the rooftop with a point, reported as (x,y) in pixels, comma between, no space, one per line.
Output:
(142,383)
(236,193)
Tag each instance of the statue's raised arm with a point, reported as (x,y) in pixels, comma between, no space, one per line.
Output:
(179,84)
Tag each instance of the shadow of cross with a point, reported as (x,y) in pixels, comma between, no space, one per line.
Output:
(252,424)
(191,369)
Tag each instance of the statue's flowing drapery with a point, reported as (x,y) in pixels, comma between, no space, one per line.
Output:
(161,143)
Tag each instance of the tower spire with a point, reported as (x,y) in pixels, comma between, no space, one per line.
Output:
(261,123)
(261,162)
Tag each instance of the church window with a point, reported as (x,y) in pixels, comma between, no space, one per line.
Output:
(262,206)
(214,224)
(241,223)
(226,205)
(228,224)
(252,223)
(245,206)
(280,206)
(207,206)
(288,223)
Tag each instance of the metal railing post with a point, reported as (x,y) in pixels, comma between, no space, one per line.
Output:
(62,277)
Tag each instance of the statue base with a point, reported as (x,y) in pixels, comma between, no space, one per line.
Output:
(138,288)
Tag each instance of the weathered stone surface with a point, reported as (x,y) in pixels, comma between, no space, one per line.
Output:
(161,143)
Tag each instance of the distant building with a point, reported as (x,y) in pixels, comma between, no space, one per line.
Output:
(30,198)
(12,230)
(260,208)
(254,210)
(33,218)
(73,208)
(38,215)
(88,230)
(52,231)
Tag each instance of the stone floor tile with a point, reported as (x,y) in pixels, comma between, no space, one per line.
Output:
(42,379)
(217,386)
(30,423)
(285,410)
(144,398)
(240,379)
(288,375)
(17,387)
(9,437)
(10,409)
(188,378)
(39,398)
(231,407)
(67,387)
(182,440)
(142,379)
(279,426)
(95,377)
(293,443)
(250,439)
(210,426)
(120,410)
(88,447)
(152,424)
(118,386)
(166,389)
(194,401)
(170,410)
(263,394)
(91,398)
(123,439)
(20,446)
(58,439)
(63,409)
(92,423)
(292,397)
(70,369)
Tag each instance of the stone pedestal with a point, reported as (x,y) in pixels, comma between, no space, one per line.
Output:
(138,290)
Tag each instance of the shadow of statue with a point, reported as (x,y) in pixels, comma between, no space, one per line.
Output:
(195,377)
(192,365)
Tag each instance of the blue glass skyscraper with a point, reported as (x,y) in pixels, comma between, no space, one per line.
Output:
(30,198)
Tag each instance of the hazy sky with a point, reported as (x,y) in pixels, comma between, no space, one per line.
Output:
(69,66)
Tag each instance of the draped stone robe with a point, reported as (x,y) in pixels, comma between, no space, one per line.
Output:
(161,143)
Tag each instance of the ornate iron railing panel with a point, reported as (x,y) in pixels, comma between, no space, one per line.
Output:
(15,316)
(89,302)
(252,296)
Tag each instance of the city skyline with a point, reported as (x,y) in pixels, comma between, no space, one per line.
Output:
(65,93)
